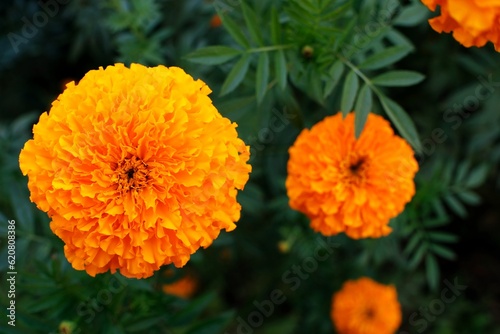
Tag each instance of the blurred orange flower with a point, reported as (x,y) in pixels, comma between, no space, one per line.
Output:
(364,306)
(185,287)
(215,21)
(348,185)
(136,168)
(473,22)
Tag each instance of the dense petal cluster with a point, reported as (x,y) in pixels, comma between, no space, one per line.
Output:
(473,22)
(348,185)
(364,306)
(136,168)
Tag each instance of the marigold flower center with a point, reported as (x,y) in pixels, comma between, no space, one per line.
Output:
(133,174)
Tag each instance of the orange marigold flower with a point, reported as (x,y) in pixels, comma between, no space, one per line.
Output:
(184,287)
(215,21)
(364,306)
(473,22)
(348,185)
(136,168)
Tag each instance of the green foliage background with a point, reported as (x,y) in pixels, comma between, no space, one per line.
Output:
(298,60)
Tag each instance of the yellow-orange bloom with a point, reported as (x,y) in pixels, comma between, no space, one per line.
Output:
(348,185)
(473,22)
(136,168)
(364,306)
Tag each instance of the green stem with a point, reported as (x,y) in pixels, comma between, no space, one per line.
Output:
(360,74)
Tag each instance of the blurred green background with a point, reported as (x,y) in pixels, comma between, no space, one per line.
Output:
(449,232)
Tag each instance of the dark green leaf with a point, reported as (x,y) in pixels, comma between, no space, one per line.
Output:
(412,15)
(280,67)
(236,76)
(402,121)
(386,57)
(417,256)
(398,79)
(456,206)
(335,74)
(275,27)
(477,176)
(252,24)
(414,241)
(233,29)
(432,271)
(262,76)
(443,237)
(214,325)
(234,109)
(213,55)
(349,93)
(193,310)
(143,324)
(442,251)
(468,197)
(362,109)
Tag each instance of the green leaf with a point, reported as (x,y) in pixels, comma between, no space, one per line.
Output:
(412,15)
(233,29)
(193,310)
(443,237)
(236,76)
(252,24)
(443,252)
(402,121)
(432,271)
(468,197)
(398,79)
(362,109)
(335,74)
(214,325)
(213,55)
(418,255)
(414,240)
(477,176)
(386,57)
(146,323)
(456,206)
(262,76)
(234,109)
(351,86)
(280,67)
(275,27)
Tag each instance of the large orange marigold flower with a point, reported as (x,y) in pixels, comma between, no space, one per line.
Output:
(364,306)
(473,22)
(136,169)
(348,185)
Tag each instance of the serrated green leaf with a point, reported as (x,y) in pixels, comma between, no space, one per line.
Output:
(213,55)
(262,76)
(252,24)
(236,76)
(456,206)
(386,57)
(233,29)
(432,271)
(477,176)
(335,72)
(349,93)
(275,27)
(402,121)
(443,237)
(362,109)
(443,252)
(398,79)
(412,15)
(280,68)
